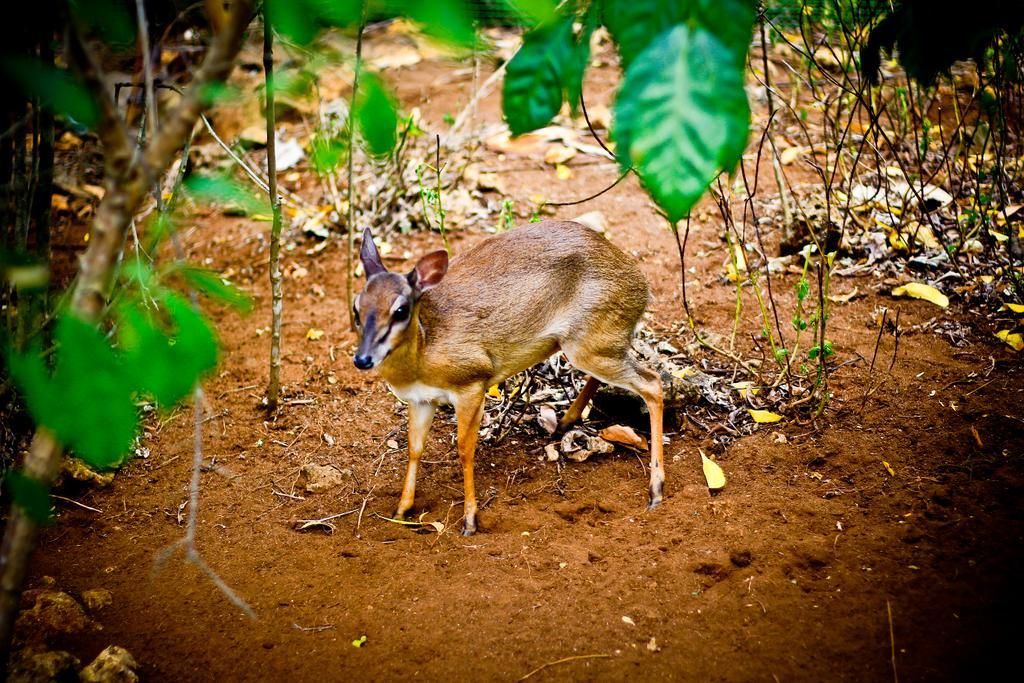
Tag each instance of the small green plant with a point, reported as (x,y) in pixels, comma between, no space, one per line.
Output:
(507,217)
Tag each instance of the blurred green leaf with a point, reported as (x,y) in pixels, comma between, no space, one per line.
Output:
(536,12)
(113,21)
(634,24)
(327,152)
(218,92)
(55,88)
(301,20)
(31,495)
(538,76)
(215,286)
(449,20)
(87,403)
(167,366)
(682,116)
(226,191)
(376,116)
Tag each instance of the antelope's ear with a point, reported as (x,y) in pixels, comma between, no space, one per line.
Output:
(370,257)
(429,271)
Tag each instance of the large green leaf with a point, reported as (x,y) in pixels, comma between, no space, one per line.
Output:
(87,403)
(449,20)
(682,116)
(634,24)
(547,69)
(376,116)
(167,367)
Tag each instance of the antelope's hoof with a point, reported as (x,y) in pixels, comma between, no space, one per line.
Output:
(402,514)
(654,502)
(468,527)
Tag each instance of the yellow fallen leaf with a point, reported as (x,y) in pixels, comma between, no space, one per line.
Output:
(1014,339)
(919,290)
(313,334)
(1016,308)
(763,416)
(844,298)
(745,389)
(889,469)
(985,279)
(563,172)
(494,392)
(999,237)
(712,473)
(683,373)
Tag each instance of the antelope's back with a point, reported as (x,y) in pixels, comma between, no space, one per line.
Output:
(533,286)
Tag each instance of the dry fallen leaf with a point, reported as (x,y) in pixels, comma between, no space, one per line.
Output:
(628,620)
(494,392)
(551,452)
(845,298)
(314,334)
(594,220)
(713,474)
(889,469)
(764,416)
(624,435)
(1014,339)
(919,290)
(563,172)
(791,154)
(1015,308)
(547,419)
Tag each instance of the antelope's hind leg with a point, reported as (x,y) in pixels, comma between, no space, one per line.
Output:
(619,368)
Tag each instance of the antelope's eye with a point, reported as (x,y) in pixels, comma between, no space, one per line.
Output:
(401,313)
(355,317)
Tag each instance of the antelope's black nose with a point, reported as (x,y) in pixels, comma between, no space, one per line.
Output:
(363,362)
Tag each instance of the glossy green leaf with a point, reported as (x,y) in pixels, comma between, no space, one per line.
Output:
(31,495)
(376,116)
(87,403)
(56,89)
(548,65)
(682,116)
(634,24)
(217,287)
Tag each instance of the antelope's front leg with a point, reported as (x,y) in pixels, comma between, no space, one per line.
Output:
(469,409)
(420,417)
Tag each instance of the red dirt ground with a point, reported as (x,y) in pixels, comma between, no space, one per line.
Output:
(791,573)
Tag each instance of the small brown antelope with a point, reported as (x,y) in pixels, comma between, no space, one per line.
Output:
(444,334)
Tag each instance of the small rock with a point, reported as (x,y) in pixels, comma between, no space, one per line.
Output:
(96,599)
(551,452)
(741,558)
(652,645)
(779,437)
(54,612)
(32,666)
(594,220)
(320,478)
(113,665)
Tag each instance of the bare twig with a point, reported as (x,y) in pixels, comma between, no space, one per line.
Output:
(561,661)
